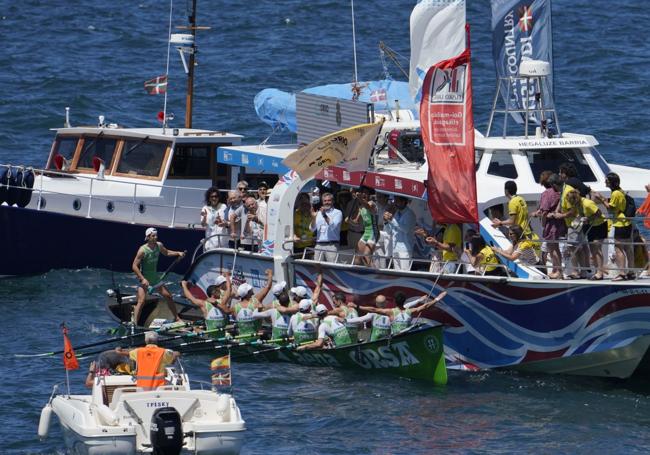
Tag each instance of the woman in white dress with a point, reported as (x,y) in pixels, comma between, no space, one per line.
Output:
(214,221)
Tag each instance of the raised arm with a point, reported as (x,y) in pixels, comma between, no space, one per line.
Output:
(372,309)
(188,295)
(318,288)
(265,290)
(430,303)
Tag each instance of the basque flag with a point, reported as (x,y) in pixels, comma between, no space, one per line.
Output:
(156,86)
(69,358)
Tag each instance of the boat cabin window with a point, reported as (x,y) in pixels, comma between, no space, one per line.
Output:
(190,162)
(550,160)
(478,154)
(142,157)
(502,165)
(65,147)
(100,147)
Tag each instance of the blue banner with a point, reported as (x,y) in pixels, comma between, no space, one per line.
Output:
(521,30)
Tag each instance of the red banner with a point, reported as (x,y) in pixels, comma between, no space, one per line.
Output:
(380,182)
(69,359)
(447,126)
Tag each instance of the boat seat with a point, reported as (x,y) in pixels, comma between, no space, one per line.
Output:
(118,391)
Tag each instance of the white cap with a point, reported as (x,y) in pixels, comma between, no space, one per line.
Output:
(243,290)
(304,305)
(300,291)
(150,231)
(220,280)
(321,309)
(278,288)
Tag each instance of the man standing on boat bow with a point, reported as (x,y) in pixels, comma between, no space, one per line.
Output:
(145,267)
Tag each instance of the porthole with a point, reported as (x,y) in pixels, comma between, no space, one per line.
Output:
(110,206)
(142,208)
(76,204)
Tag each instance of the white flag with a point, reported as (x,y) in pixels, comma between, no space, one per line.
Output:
(349,148)
(437,33)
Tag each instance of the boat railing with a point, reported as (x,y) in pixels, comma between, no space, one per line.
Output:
(175,206)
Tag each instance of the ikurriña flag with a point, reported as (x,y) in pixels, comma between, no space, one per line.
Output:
(157,85)
(69,358)
(222,373)
(521,30)
(447,127)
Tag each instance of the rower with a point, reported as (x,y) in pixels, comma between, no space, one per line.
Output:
(401,317)
(346,311)
(277,290)
(381,323)
(302,325)
(279,315)
(145,265)
(332,328)
(151,361)
(249,302)
(215,308)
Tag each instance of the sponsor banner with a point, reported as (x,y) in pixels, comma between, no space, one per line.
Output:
(251,160)
(447,127)
(380,182)
(521,30)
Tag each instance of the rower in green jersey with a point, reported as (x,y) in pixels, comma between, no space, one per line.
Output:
(346,311)
(303,325)
(279,315)
(215,308)
(400,316)
(145,267)
(330,327)
(381,323)
(248,304)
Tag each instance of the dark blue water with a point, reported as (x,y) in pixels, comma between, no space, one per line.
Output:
(95,56)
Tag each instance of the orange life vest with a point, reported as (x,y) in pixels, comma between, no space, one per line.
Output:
(148,363)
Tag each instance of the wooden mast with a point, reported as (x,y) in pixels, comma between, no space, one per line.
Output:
(190,74)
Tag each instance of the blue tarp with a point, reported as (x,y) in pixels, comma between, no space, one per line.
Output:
(278,109)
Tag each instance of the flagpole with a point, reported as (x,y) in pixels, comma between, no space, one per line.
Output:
(169,45)
(354,44)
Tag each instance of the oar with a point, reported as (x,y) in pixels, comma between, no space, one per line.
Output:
(274,348)
(150,289)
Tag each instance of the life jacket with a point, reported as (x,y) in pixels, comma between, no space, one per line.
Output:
(148,362)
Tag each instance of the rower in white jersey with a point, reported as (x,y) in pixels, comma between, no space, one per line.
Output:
(380,322)
(302,325)
(249,302)
(215,308)
(330,328)
(347,311)
(279,315)
(401,318)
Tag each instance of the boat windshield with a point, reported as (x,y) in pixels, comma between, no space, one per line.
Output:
(100,147)
(550,160)
(64,146)
(143,158)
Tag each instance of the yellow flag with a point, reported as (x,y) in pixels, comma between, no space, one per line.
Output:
(220,363)
(349,148)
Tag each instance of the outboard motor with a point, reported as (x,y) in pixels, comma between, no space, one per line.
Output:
(166,432)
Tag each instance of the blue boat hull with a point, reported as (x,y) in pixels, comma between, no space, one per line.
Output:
(34,242)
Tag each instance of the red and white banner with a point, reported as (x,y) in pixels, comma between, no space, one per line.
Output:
(447,126)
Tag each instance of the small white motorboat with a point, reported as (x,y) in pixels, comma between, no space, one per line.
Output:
(120,418)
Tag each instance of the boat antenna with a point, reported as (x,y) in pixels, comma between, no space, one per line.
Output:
(169,46)
(355,86)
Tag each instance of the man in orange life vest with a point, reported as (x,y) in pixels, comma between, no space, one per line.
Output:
(151,361)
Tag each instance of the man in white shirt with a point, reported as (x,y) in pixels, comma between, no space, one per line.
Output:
(401,227)
(252,226)
(327,223)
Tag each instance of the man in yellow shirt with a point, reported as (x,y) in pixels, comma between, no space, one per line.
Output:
(450,246)
(622,228)
(517,210)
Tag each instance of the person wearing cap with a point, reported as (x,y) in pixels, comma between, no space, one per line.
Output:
(303,325)
(330,327)
(249,303)
(145,267)
(277,290)
(151,361)
(216,307)
(401,317)
(326,221)
(279,315)
(381,323)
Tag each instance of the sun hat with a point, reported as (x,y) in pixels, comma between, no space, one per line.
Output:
(305,305)
(321,309)
(218,281)
(278,288)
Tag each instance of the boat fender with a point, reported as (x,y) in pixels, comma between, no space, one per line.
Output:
(106,415)
(25,192)
(223,406)
(14,177)
(4,179)
(44,422)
